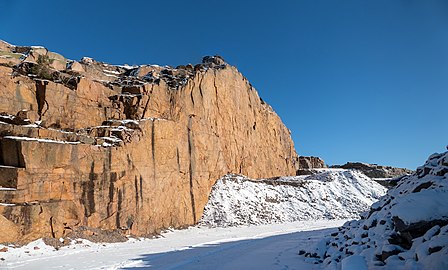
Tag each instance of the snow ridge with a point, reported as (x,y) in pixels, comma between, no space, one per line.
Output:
(331,194)
(406,229)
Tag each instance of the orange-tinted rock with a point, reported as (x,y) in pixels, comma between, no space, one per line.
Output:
(132,154)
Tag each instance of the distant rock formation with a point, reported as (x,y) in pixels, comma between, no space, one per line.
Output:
(307,165)
(311,163)
(374,170)
(133,148)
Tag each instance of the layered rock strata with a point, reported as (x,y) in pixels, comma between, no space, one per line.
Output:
(135,148)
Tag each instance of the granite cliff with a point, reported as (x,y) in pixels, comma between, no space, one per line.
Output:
(132,148)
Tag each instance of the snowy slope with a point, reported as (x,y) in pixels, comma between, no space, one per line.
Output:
(406,229)
(330,194)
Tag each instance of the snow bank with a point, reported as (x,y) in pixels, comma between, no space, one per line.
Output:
(330,194)
(406,229)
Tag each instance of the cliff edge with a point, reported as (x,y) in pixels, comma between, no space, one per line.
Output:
(133,148)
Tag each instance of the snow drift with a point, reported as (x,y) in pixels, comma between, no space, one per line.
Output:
(406,229)
(330,194)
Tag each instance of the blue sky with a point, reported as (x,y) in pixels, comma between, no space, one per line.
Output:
(354,80)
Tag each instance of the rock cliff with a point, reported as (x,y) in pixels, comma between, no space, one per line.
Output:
(134,148)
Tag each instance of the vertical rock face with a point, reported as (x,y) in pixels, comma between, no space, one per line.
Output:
(119,147)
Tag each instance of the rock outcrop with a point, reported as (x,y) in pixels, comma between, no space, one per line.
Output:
(374,170)
(311,163)
(307,165)
(135,148)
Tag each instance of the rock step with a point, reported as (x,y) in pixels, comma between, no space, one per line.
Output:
(15,196)
(8,176)
(4,205)
(7,195)
(111,131)
(33,131)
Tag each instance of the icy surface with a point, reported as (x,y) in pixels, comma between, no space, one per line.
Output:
(331,194)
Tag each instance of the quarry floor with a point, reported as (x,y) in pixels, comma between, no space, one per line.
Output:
(272,246)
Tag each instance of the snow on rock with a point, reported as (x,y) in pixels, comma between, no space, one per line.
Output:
(20,138)
(330,194)
(406,229)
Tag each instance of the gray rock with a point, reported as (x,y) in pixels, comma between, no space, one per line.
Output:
(374,170)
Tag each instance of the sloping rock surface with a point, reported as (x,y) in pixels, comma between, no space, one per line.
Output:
(136,148)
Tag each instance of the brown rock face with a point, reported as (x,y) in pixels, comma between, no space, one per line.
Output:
(130,148)
(311,163)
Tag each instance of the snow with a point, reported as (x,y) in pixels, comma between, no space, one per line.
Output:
(88,60)
(425,205)
(38,140)
(7,204)
(406,229)
(111,72)
(126,121)
(128,67)
(331,194)
(6,188)
(354,262)
(6,166)
(110,75)
(250,247)
(11,117)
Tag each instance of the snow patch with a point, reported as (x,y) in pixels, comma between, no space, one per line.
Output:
(332,194)
(38,140)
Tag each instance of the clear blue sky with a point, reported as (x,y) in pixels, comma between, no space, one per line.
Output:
(354,80)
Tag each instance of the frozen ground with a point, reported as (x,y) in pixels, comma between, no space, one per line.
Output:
(250,247)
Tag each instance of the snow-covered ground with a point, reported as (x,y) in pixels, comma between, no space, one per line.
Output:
(272,246)
(330,194)
(405,229)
